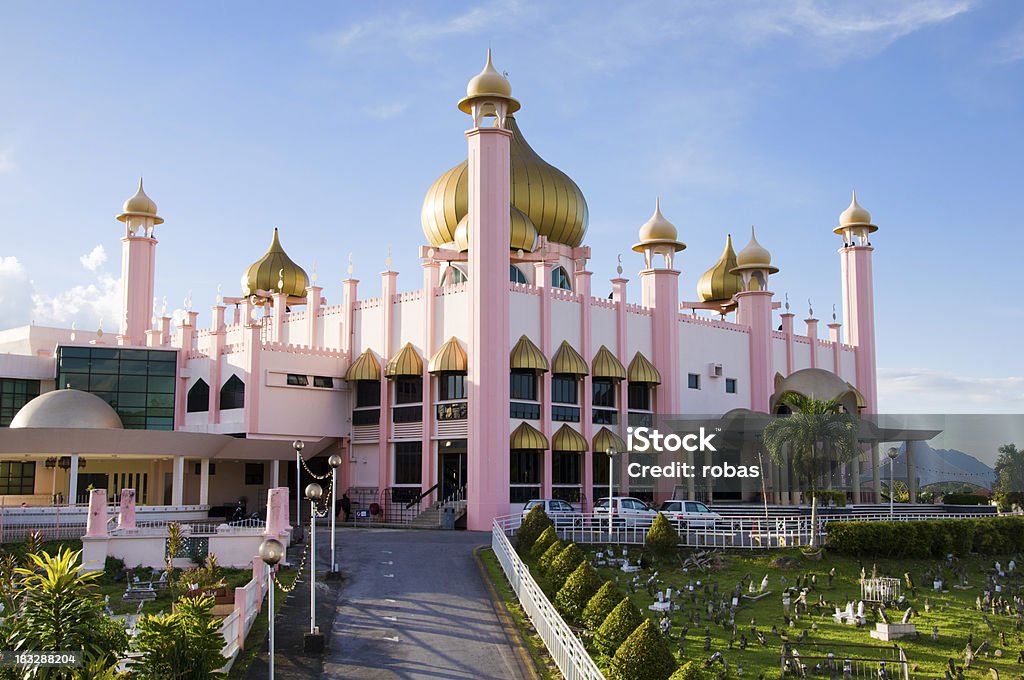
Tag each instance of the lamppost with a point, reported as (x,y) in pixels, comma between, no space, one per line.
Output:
(610,452)
(314,641)
(892,453)
(271,552)
(335,462)
(298,445)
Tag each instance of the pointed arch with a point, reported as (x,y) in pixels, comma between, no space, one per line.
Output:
(198,399)
(232,394)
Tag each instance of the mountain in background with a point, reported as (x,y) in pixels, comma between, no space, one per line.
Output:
(938,465)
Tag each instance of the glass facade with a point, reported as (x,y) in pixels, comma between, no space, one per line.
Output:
(15,393)
(138,383)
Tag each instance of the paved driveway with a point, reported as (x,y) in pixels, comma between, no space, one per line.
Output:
(415,607)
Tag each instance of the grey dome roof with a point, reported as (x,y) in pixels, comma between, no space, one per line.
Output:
(817,383)
(68,409)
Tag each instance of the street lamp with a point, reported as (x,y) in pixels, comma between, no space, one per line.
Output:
(298,445)
(271,552)
(892,452)
(313,493)
(610,452)
(335,462)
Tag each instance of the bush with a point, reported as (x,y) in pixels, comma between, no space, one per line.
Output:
(563,565)
(964,499)
(534,524)
(601,605)
(581,585)
(662,539)
(617,626)
(834,498)
(184,645)
(643,656)
(543,542)
(553,551)
(931,538)
(691,670)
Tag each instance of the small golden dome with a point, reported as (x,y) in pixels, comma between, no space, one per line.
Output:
(719,284)
(141,205)
(275,271)
(855,216)
(548,197)
(522,233)
(754,256)
(658,231)
(491,84)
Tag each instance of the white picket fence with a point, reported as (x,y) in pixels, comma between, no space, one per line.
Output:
(236,625)
(565,648)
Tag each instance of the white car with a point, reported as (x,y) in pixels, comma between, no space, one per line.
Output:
(552,507)
(689,514)
(626,511)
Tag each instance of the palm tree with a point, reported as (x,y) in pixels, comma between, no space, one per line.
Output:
(818,434)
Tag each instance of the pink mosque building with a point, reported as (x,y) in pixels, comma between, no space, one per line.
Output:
(497,378)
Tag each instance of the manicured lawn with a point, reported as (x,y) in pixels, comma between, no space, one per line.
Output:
(953,612)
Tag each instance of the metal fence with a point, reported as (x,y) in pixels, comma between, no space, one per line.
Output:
(566,650)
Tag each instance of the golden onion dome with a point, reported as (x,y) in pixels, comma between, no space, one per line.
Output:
(141,205)
(719,284)
(275,271)
(754,256)
(523,235)
(658,231)
(546,195)
(488,84)
(855,216)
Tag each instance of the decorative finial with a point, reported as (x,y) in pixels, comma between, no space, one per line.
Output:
(163,306)
(188,301)
(220,296)
(387,260)
(73,334)
(314,277)
(519,253)
(618,269)
(810,308)
(787,302)
(351,268)
(99,330)
(280,279)
(833,313)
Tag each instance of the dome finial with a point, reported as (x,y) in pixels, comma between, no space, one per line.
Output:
(755,256)
(488,94)
(139,205)
(855,216)
(718,284)
(275,271)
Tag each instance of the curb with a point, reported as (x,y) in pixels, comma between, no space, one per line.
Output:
(506,621)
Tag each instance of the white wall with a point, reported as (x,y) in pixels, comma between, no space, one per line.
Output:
(700,346)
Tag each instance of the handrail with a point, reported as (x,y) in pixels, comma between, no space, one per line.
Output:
(421,496)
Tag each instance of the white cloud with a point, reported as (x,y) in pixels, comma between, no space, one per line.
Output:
(94,258)
(15,291)
(932,391)
(1011,47)
(386,111)
(7,163)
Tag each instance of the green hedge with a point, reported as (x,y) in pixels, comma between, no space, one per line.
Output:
(533,525)
(930,538)
(643,656)
(965,499)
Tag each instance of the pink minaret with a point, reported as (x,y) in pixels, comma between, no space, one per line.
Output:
(488,95)
(858,296)
(755,312)
(138,267)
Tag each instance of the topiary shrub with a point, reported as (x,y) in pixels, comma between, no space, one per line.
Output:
(563,565)
(617,626)
(553,551)
(574,595)
(643,656)
(662,538)
(965,499)
(601,605)
(543,542)
(534,524)
(691,670)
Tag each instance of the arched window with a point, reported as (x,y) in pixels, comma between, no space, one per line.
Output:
(560,279)
(198,397)
(516,275)
(453,275)
(232,394)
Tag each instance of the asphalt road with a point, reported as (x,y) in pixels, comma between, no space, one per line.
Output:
(414,606)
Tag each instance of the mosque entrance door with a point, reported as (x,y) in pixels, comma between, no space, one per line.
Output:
(452,463)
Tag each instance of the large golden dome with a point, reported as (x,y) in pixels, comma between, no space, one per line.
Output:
(275,271)
(552,201)
(719,284)
(522,233)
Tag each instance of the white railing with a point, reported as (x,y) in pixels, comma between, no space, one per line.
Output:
(565,648)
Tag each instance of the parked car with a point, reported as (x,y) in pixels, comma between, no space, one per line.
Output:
(552,506)
(626,511)
(692,513)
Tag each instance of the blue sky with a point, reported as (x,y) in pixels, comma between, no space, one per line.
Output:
(331,121)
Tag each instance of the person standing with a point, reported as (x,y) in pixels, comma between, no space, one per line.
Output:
(346,506)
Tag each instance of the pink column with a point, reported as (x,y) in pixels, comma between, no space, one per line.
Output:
(542,280)
(622,352)
(126,517)
(280,312)
(583,288)
(428,470)
(218,336)
(833,336)
(258,574)
(187,331)
(755,308)
(859,317)
(277,512)
(812,335)
(138,268)
(787,330)
(254,377)
(96,522)
(388,285)
(313,316)
(489,235)
(165,331)
(349,293)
